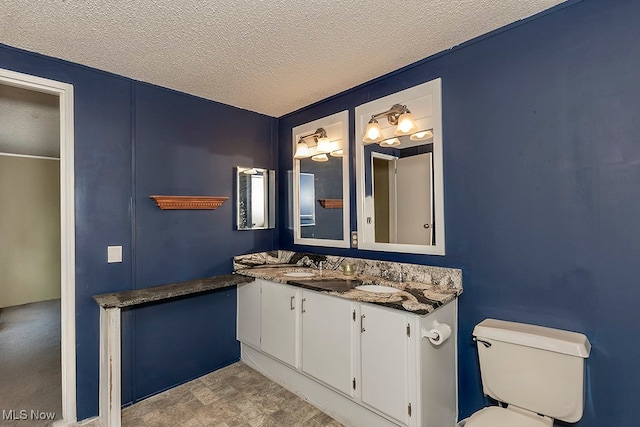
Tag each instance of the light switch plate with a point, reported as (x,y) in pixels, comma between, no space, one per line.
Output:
(114,254)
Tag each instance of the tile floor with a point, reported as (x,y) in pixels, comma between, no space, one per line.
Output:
(233,396)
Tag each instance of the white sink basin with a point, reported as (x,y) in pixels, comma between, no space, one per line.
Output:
(299,274)
(378,289)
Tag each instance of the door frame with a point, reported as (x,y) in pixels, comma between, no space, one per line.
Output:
(64,91)
(393,195)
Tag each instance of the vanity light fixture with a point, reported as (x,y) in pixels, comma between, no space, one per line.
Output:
(390,142)
(373,132)
(302,150)
(399,116)
(423,135)
(336,149)
(406,124)
(324,145)
(321,146)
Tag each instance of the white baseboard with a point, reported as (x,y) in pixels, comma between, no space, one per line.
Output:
(334,404)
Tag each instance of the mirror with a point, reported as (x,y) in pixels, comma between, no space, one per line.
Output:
(400,180)
(391,179)
(255,198)
(320,182)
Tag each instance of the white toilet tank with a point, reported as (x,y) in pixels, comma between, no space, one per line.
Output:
(532,367)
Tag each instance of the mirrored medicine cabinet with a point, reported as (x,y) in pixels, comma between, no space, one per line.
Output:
(255,198)
(319,182)
(399,176)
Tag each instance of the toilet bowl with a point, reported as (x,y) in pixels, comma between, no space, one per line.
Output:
(537,372)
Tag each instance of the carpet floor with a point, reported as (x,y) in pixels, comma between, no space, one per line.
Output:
(30,365)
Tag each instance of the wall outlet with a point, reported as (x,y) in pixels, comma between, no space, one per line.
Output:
(354,239)
(114,254)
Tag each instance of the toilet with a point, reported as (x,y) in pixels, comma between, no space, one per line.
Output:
(536,373)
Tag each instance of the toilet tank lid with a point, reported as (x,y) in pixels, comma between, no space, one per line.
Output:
(556,340)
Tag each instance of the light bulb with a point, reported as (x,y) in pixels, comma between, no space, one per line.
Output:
(423,135)
(324,145)
(302,151)
(373,132)
(390,142)
(406,124)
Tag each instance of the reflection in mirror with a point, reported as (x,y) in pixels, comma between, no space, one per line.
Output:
(307,202)
(255,198)
(399,178)
(398,192)
(320,182)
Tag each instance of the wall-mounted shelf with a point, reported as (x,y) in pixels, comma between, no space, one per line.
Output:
(331,203)
(188,202)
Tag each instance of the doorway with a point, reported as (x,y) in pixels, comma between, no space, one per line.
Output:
(402,188)
(414,190)
(64,94)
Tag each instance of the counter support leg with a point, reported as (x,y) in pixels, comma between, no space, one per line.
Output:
(110,367)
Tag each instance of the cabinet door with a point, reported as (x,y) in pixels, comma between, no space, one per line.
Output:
(279,321)
(384,361)
(249,302)
(327,344)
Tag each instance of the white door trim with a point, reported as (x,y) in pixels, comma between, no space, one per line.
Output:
(67,224)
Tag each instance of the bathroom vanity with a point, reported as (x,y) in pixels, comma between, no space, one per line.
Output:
(358,355)
(356,342)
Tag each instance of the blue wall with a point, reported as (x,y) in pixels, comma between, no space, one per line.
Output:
(187,145)
(133,140)
(542,177)
(542,186)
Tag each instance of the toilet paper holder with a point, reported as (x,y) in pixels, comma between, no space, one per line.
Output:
(438,334)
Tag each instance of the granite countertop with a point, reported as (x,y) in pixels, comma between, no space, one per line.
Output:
(415,297)
(173,290)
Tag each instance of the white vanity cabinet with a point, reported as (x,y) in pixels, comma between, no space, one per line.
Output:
(249,313)
(362,363)
(384,358)
(327,340)
(279,321)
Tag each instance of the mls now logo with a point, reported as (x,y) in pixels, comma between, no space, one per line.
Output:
(23,414)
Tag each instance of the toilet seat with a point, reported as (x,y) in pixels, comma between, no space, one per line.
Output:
(495,416)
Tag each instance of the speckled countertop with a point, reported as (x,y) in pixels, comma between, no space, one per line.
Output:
(173,290)
(423,289)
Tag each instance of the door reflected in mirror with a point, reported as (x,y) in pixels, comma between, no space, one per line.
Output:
(255,198)
(398,194)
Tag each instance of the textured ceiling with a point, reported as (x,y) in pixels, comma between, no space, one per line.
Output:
(270,56)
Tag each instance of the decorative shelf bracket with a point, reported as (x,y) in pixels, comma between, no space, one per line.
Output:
(188,202)
(331,203)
